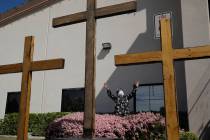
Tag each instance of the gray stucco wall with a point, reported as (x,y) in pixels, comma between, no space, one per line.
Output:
(195,19)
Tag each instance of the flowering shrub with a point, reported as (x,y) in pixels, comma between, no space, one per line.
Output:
(137,126)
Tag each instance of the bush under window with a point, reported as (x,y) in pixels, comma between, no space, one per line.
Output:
(37,123)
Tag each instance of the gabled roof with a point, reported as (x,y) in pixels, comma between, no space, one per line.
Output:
(24,10)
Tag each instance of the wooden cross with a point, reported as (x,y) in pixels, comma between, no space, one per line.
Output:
(90,17)
(166,56)
(26,68)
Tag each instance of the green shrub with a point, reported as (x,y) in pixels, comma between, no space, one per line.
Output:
(37,123)
(9,124)
(188,136)
(1,121)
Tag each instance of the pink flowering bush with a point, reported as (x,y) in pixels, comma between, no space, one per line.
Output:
(136,126)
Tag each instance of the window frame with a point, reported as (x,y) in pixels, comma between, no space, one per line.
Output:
(68,89)
(151,84)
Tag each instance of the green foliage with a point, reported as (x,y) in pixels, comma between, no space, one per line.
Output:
(1,121)
(188,136)
(9,124)
(37,123)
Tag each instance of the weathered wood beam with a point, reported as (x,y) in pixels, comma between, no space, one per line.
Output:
(25,90)
(90,71)
(137,58)
(99,13)
(156,56)
(12,68)
(69,19)
(192,53)
(35,66)
(48,64)
(117,9)
(172,124)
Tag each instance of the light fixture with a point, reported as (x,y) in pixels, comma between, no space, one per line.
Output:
(107,46)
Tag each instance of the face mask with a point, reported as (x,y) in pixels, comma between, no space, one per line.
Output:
(121,93)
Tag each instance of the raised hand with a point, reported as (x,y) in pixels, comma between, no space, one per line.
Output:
(136,83)
(106,86)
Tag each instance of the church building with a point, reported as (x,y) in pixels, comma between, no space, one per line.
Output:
(63,90)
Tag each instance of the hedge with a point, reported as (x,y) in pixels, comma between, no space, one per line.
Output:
(37,123)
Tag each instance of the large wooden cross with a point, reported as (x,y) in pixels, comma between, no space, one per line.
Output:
(90,17)
(166,56)
(26,68)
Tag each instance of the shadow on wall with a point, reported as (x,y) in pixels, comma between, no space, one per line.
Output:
(205,135)
(103,53)
(199,106)
(123,77)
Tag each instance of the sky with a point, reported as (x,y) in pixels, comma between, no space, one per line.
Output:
(9,4)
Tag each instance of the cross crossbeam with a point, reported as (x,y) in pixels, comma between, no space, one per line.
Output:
(166,56)
(35,66)
(26,68)
(156,56)
(90,17)
(99,13)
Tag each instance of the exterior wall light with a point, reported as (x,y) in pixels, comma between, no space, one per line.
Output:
(107,46)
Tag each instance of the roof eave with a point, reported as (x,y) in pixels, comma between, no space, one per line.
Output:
(24,10)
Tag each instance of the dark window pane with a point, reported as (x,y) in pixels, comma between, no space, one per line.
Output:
(143,92)
(157,92)
(13,101)
(72,100)
(142,105)
(149,98)
(156,105)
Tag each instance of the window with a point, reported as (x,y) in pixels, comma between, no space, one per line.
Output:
(149,98)
(13,101)
(72,100)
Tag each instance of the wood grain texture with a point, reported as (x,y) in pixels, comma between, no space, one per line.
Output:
(25,90)
(117,9)
(69,19)
(35,66)
(192,53)
(90,70)
(11,68)
(47,64)
(156,56)
(137,58)
(172,125)
(99,13)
